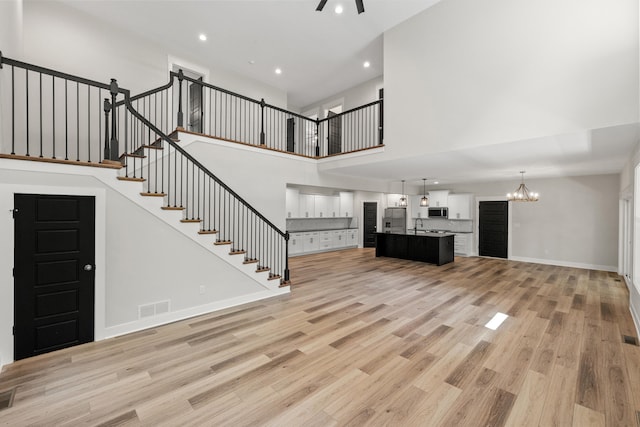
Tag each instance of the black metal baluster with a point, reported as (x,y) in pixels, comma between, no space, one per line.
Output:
(66,120)
(26,78)
(77,121)
(13,112)
(40,114)
(89,123)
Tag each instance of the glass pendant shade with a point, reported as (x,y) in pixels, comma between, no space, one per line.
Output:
(403,198)
(424,201)
(522,193)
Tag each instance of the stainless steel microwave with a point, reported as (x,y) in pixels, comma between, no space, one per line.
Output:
(438,212)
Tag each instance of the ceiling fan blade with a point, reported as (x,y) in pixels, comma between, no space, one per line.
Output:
(359,6)
(321,5)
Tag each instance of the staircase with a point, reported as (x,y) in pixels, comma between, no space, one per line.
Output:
(153,169)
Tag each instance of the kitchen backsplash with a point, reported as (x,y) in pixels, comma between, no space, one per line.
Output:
(458,226)
(304,224)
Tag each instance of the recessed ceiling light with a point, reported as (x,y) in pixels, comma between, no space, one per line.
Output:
(278,71)
(366,64)
(251,61)
(203,37)
(436,182)
(338,9)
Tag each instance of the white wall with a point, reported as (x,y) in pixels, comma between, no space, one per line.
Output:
(575,222)
(356,96)
(60,37)
(467,73)
(144,260)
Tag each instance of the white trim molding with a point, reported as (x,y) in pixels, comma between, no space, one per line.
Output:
(611,268)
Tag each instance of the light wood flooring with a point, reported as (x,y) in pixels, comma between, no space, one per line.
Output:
(362,341)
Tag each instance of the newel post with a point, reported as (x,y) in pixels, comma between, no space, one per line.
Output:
(115,149)
(286,257)
(262,104)
(180,114)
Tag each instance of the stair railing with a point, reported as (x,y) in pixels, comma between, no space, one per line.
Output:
(170,171)
(229,116)
(57,116)
(60,117)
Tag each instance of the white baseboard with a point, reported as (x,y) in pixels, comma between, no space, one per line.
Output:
(634,306)
(612,268)
(174,316)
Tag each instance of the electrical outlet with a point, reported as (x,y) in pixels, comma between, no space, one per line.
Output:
(202,289)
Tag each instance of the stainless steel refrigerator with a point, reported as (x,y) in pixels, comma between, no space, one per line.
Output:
(395,220)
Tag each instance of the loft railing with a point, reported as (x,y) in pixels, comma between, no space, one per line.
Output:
(199,107)
(56,116)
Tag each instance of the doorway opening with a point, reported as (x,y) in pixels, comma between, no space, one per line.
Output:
(369,223)
(493,229)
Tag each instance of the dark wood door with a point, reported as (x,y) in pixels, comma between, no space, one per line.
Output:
(196,113)
(335,133)
(54,285)
(370,219)
(291,128)
(493,234)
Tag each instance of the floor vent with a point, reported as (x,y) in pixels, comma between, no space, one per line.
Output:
(629,340)
(6,399)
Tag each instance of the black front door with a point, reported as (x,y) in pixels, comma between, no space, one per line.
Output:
(369,228)
(195,107)
(335,133)
(54,272)
(493,233)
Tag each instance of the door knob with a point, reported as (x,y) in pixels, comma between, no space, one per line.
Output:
(88,267)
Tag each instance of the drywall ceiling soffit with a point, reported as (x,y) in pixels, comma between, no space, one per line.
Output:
(595,152)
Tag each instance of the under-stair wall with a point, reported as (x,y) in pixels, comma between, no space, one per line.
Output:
(137,256)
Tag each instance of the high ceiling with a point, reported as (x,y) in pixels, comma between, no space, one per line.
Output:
(320,53)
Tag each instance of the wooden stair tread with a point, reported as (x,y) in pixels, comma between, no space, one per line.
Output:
(239,252)
(173,208)
(274,276)
(109,164)
(285,283)
(222,242)
(262,269)
(207,232)
(190,220)
(152,194)
(130,178)
(137,156)
(250,261)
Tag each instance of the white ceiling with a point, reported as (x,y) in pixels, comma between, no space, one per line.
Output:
(320,53)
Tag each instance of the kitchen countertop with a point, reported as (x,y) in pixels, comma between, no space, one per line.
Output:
(422,234)
(326,229)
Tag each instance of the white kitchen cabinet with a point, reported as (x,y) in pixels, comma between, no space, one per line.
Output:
(339,238)
(438,199)
(292,202)
(352,237)
(418,211)
(346,204)
(307,206)
(393,200)
(326,240)
(312,241)
(333,206)
(462,243)
(460,206)
(321,206)
(296,243)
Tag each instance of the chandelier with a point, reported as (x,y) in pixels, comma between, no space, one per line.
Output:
(424,201)
(522,193)
(403,198)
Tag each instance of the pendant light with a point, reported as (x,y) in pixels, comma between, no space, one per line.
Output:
(522,193)
(403,198)
(425,200)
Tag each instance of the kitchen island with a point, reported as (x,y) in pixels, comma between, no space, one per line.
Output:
(434,248)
